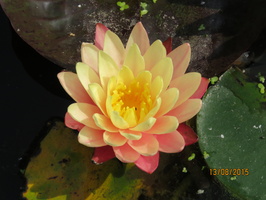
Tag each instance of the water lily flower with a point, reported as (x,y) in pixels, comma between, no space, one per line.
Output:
(132,101)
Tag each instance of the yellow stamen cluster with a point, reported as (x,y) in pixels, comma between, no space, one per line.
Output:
(132,101)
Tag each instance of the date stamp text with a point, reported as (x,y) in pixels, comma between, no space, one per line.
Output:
(229,172)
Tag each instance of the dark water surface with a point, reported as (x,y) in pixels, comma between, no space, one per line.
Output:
(25,104)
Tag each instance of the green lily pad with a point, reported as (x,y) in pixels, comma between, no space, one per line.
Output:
(63,171)
(232,130)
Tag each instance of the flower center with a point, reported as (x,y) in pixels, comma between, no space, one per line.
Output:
(132,101)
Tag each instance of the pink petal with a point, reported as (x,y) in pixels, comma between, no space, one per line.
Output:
(180,57)
(83,113)
(168,45)
(186,110)
(126,154)
(91,137)
(99,35)
(164,124)
(71,123)
(114,139)
(73,87)
(171,142)
(187,85)
(202,88)
(188,134)
(147,145)
(104,122)
(148,163)
(140,37)
(102,154)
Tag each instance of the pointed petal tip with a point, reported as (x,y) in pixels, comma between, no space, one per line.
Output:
(60,74)
(84,43)
(139,23)
(101,27)
(187,45)
(201,89)
(126,154)
(148,164)
(140,37)
(187,48)
(71,123)
(99,35)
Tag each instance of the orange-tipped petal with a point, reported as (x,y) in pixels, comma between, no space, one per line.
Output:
(186,110)
(103,154)
(89,55)
(82,112)
(169,98)
(104,123)
(114,139)
(99,35)
(140,37)
(91,137)
(201,89)
(187,86)
(134,60)
(71,123)
(126,154)
(73,87)
(148,163)
(164,124)
(171,142)
(181,57)
(188,134)
(154,54)
(147,145)
(163,68)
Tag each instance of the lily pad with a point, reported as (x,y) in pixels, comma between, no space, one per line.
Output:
(232,130)
(63,171)
(56,29)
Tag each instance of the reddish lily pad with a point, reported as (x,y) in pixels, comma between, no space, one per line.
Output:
(232,130)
